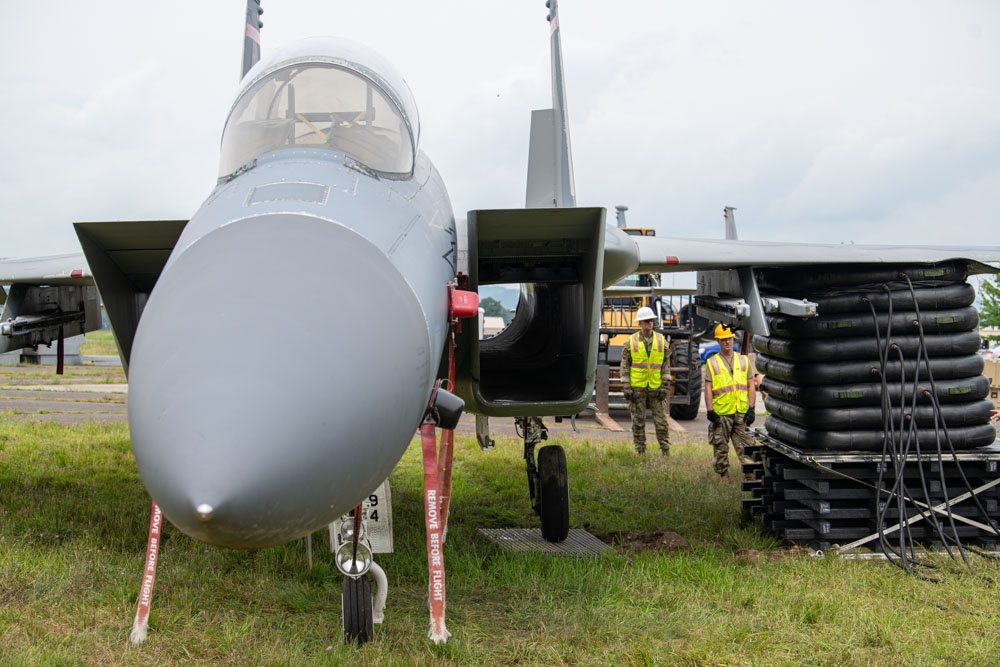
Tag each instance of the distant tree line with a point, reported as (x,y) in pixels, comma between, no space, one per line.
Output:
(493,308)
(989,298)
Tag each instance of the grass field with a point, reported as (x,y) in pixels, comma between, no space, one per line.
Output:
(101,342)
(74,515)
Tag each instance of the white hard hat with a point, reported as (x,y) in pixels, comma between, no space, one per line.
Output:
(645,313)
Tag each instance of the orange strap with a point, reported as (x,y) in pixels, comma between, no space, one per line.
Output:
(435,545)
(141,621)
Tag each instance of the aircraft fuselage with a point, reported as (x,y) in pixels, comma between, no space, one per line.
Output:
(287,353)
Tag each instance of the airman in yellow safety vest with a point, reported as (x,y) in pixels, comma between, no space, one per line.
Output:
(646,370)
(730,396)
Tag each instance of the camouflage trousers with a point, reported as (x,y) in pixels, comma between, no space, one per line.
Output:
(719,435)
(643,399)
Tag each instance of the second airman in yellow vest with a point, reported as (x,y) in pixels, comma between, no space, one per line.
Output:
(730,396)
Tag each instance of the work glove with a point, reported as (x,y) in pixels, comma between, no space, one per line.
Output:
(714,418)
(628,393)
(661,393)
(749,417)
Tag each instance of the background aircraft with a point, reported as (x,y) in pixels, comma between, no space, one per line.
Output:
(324,205)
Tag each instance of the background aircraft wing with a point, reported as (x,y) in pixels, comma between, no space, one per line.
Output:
(68,269)
(661,254)
(47,299)
(728,270)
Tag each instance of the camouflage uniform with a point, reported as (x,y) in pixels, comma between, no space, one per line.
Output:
(643,399)
(730,428)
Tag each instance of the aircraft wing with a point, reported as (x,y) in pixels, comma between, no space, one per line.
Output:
(728,269)
(48,299)
(670,255)
(68,269)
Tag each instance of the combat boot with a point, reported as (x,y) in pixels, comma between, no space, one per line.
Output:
(724,477)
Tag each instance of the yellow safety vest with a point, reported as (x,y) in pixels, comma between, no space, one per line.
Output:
(729,390)
(645,371)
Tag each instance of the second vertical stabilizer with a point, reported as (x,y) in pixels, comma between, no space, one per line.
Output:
(550,159)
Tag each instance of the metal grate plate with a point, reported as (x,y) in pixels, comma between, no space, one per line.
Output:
(578,543)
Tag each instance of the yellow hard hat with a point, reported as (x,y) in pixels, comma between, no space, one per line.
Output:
(723,331)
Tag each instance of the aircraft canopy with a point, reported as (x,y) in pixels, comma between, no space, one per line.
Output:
(317,105)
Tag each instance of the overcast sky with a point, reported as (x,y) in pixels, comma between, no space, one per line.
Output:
(866,121)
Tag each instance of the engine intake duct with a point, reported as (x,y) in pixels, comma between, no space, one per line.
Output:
(544,361)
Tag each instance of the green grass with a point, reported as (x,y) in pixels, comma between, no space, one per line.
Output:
(74,515)
(32,374)
(99,343)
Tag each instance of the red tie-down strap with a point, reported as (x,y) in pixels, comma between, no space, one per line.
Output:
(435,542)
(437,475)
(463,304)
(141,623)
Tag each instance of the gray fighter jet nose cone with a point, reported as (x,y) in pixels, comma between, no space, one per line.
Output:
(279,371)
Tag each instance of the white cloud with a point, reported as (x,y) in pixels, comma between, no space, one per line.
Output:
(818,121)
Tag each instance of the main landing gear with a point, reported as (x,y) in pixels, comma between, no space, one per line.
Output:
(548,483)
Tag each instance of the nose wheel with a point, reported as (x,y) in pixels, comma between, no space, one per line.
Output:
(356,604)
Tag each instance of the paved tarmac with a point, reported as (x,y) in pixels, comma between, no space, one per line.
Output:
(66,404)
(30,392)
(617,426)
(75,403)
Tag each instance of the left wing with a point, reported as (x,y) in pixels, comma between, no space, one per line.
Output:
(49,298)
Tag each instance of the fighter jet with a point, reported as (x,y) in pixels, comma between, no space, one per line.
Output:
(324,196)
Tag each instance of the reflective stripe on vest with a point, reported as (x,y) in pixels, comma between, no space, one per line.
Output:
(645,371)
(729,390)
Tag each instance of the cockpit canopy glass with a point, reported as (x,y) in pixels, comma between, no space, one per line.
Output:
(317,105)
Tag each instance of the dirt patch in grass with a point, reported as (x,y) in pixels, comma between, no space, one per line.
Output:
(656,540)
(755,556)
(659,541)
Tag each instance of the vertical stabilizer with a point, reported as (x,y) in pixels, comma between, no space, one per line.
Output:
(730,223)
(251,36)
(620,216)
(550,160)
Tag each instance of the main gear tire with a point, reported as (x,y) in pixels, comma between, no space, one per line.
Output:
(553,483)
